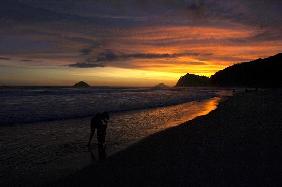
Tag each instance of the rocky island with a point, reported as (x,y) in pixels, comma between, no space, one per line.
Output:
(81,84)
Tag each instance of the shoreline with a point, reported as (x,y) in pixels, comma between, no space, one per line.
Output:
(17,124)
(26,124)
(233,144)
(67,152)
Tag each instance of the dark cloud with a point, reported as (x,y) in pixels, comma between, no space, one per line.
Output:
(86,65)
(196,63)
(26,60)
(128,12)
(103,59)
(15,10)
(111,56)
(51,14)
(266,35)
(124,13)
(85,51)
(4,58)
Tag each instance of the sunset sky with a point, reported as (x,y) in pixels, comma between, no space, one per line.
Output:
(131,42)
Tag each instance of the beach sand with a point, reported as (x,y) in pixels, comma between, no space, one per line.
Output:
(238,144)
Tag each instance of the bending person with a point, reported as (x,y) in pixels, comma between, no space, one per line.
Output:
(99,122)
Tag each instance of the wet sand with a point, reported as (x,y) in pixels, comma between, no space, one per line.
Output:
(238,144)
(47,151)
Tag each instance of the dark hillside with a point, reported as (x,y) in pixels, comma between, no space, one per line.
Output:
(264,73)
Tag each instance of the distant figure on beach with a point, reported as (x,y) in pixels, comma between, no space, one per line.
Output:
(99,122)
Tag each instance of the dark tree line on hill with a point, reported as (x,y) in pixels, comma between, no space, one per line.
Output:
(260,73)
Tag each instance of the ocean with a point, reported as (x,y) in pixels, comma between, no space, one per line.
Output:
(26,105)
(44,131)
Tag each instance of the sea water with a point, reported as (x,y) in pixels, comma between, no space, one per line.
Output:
(44,131)
(25,105)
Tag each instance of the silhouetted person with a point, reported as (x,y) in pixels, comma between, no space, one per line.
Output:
(99,122)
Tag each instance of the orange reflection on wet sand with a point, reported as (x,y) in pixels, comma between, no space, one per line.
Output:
(189,111)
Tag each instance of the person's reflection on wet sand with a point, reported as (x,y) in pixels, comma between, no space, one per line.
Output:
(92,155)
(102,155)
(102,152)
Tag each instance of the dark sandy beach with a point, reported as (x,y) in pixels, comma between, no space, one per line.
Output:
(238,144)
